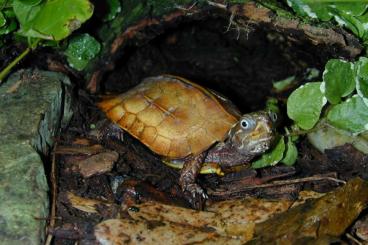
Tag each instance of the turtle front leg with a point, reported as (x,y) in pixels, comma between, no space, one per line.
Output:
(193,192)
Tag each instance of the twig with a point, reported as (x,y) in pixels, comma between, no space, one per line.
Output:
(53,193)
(352,238)
(300,180)
(302,132)
(231,22)
(218,5)
(187,9)
(8,68)
(287,182)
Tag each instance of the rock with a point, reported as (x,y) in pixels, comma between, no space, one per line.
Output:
(33,106)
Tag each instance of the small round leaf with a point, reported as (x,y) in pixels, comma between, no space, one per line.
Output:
(272,157)
(307,8)
(304,105)
(291,153)
(339,77)
(362,89)
(114,8)
(2,20)
(350,115)
(81,49)
(362,67)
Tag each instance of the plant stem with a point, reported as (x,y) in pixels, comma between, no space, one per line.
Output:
(8,68)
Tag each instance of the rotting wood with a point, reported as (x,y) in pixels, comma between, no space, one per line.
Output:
(241,15)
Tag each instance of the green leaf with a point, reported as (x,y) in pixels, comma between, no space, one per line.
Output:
(350,115)
(294,128)
(8,13)
(5,4)
(25,13)
(31,2)
(362,89)
(352,22)
(322,9)
(2,20)
(317,9)
(114,9)
(81,50)
(339,77)
(280,86)
(291,153)
(352,15)
(272,157)
(362,79)
(364,20)
(9,27)
(272,105)
(355,9)
(304,105)
(311,74)
(53,19)
(362,67)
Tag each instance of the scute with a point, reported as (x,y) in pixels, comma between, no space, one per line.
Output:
(136,104)
(148,135)
(127,120)
(137,128)
(151,116)
(116,113)
(161,144)
(172,116)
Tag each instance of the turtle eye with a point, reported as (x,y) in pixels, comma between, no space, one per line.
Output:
(246,123)
(273,116)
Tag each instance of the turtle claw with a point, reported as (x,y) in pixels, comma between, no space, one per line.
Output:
(195,195)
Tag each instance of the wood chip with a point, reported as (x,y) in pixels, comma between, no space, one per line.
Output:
(76,150)
(14,87)
(98,164)
(82,141)
(85,204)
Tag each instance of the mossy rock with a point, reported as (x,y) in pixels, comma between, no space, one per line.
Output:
(34,105)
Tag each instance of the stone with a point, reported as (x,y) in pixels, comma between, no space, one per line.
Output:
(34,105)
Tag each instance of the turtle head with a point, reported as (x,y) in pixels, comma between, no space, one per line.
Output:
(254,133)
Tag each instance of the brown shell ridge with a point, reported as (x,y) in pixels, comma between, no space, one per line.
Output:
(161,108)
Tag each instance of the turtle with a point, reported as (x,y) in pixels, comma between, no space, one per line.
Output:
(189,125)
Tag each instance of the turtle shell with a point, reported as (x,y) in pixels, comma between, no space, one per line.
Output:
(174,117)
